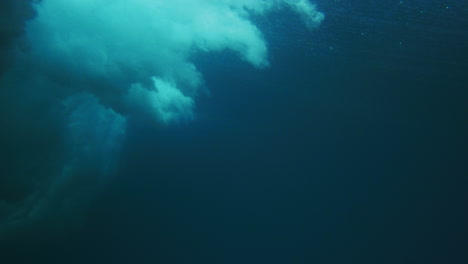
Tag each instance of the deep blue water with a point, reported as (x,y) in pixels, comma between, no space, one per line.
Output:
(350,148)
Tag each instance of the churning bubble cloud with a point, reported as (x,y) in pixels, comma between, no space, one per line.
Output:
(140,50)
(97,61)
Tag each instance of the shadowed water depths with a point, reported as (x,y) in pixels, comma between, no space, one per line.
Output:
(350,148)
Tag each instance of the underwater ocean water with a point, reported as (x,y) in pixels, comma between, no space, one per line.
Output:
(233,131)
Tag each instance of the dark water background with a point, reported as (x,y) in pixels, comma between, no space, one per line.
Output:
(350,148)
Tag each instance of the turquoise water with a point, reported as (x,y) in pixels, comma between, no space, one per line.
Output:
(233,131)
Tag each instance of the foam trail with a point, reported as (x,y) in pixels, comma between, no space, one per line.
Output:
(125,43)
(93,137)
(308,12)
(164,100)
